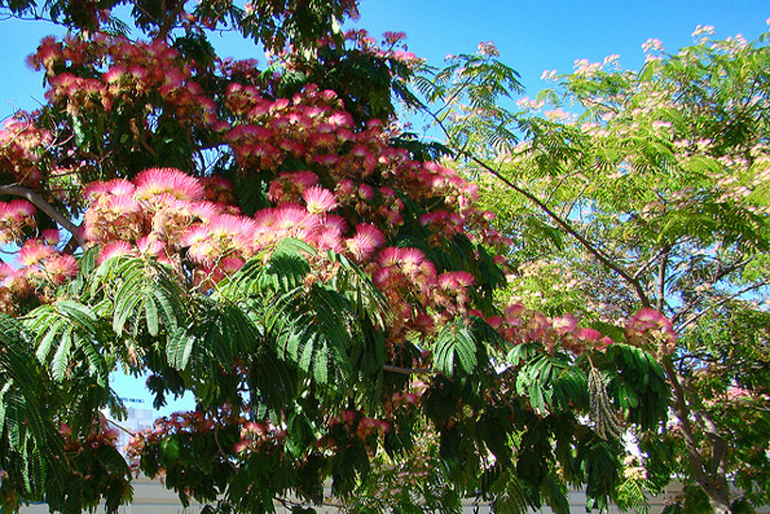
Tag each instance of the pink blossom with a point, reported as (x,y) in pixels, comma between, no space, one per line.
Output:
(114,249)
(319,200)
(366,240)
(33,252)
(156,181)
(455,279)
(59,268)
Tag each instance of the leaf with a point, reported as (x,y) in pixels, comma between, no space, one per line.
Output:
(455,342)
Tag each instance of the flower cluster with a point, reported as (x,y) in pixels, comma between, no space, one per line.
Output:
(353,426)
(259,437)
(42,267)
(15,216)
(131,72)
(22,143)
(101,434)
(177,424)
(650,328)
(519,325)
(312,128)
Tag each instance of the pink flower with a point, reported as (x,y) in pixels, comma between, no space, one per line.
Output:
(113,187)
(51,236)
(60,268)
(590,335)
(367,239)
(114,249)
(33,252)
(649,325)
(156,181)
(455,279)
(566,324)
(319,200)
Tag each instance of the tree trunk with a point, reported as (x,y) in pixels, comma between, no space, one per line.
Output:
(719,497)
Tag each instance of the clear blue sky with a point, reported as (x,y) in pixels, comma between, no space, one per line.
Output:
(532,36)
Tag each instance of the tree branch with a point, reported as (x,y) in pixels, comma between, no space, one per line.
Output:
(563,223)
(662,265)
(406,371)
(44,206)
(683,415)
(692,319)
(604,259)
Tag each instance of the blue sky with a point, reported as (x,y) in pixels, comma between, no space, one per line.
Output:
(532,36)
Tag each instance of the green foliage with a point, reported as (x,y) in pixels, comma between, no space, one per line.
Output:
(652,193)
(327,292)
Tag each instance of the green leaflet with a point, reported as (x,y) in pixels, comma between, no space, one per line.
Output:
(455,343)
(24,411)
(551,383)
(69,327)
(145,295)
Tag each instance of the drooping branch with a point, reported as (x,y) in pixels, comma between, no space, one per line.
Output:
(39,202)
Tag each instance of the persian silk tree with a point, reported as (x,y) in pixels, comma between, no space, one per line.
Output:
(268,240)
(644,189)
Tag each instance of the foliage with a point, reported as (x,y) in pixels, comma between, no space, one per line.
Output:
(648,189)
(269,240)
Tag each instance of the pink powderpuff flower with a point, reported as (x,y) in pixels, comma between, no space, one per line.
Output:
(232,232)
(5,271)
(295,219)
(367,239)
(566,324)
(424,323)
(411,258)
(33,252)
(302,179)
(205,211)
(51,236)
(603,343)
(150,245)
(589,335)
(319,200)
(455,280)
(118,187)
(114,249)
(21,209)
(389,257)
(201,248)
(513,313)
(59,268)
(649,324)
(230,265)
(114,74)
(156,181)
(329,234)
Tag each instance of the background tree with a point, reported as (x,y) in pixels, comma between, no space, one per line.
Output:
(269,240)
(646,189)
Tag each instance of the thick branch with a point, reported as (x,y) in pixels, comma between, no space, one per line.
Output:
(44,206)
(662,277)
(683,415)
